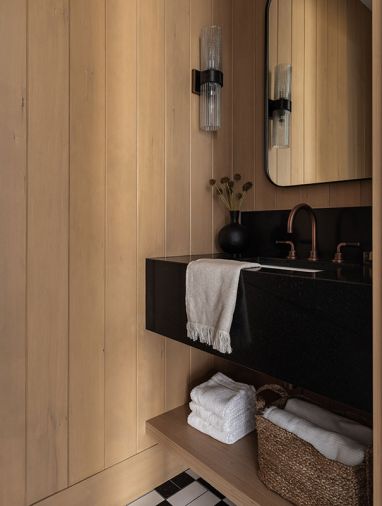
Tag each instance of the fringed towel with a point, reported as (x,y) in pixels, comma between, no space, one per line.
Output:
(211,292)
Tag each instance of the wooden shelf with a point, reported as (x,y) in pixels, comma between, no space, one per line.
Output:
(232,469)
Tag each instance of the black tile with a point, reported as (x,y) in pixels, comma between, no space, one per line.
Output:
(167,489)
(220,502)
(211,488)
(166,502)
(182,480)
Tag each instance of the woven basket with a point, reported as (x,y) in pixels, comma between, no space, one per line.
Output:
(298,472)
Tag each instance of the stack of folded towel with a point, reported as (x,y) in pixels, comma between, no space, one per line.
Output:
(335,437)
(223,408)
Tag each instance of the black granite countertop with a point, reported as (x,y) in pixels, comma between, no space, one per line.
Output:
(344,273)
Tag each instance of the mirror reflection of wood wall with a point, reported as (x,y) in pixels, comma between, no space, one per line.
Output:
(328,43)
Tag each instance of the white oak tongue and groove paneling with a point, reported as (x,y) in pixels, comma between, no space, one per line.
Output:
(48,228)
(87,238)
(121,232)
(151,201)
(12,250)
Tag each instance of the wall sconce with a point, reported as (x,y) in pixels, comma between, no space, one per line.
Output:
(208,81)
(280,108)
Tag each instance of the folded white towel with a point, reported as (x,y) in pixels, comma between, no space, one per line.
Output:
(330,421)
(224,437)
(211,292)
(233,423)
(332,445)
(223,396)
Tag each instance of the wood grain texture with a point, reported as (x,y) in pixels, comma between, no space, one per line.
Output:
(47,296)
(178,166)
(377,250)
(13,173)
(231,469)
(151,201)
(87,238)
(122,483)
(121,231)
(243,97)
(222,140)
(202,240)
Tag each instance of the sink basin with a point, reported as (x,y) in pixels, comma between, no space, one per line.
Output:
(288,268)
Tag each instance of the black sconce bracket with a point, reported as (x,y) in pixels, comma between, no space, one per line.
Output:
(281,104)
(200,77)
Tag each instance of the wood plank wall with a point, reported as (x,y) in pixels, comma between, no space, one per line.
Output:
(102,165)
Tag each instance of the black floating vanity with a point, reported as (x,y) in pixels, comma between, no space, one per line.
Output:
(311,329)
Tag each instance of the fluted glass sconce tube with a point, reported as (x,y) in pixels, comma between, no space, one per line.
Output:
(281,106)
(208,81)
(210,92)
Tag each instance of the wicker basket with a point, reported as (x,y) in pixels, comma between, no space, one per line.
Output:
(298,472)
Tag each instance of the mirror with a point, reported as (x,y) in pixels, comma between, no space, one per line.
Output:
(318,91)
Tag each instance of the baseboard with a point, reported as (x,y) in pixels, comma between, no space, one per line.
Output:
(121,483)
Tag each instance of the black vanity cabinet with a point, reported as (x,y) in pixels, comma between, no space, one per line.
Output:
(311,330)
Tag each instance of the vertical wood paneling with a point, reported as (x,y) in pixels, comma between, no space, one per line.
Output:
(87,245)
(48,178)
(264,191)
(151,201)
(178,150)
(297,122)
(284,55)
(222,11)
(12,250)
(243,84)
(121,231)
(201,145)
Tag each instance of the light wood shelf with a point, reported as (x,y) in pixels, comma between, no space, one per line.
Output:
(232,469)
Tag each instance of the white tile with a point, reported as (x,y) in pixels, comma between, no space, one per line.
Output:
(187,494)
(151,499)
(192,474)
(206,499)
(230,503)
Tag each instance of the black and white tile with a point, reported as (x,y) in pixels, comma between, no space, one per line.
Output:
(185,489)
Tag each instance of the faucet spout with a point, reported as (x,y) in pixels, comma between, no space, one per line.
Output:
(313,257)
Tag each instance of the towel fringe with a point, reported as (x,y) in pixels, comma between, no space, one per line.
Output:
(220,340)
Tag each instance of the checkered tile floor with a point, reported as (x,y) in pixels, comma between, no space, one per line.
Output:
(185,489)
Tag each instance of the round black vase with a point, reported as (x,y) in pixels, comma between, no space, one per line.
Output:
(233,238)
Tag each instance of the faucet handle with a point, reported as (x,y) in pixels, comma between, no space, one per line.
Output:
(292,252)
(339,256)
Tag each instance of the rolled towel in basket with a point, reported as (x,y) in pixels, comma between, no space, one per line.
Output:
(223,396)
(228,437)
(330,421)
(332,445)
(229,424)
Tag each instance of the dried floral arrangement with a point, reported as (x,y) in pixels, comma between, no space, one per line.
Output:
(226,190)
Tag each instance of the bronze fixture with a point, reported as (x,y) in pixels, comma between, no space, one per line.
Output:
(292,252)
(339,257)
(313,257)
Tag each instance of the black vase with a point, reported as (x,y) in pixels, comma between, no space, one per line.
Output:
(233,238)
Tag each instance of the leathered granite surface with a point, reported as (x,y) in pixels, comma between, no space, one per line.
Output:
(310,329)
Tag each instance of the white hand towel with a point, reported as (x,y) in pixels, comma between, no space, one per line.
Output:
(330,421)
(224,437)
(211,292)
(332,445)
(223,396)
(223,424)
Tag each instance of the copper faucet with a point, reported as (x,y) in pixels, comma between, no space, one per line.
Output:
(313,257)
